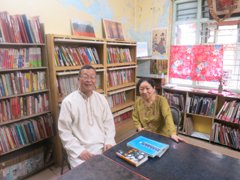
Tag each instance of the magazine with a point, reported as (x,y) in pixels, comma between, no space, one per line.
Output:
(132,156)
(151,147)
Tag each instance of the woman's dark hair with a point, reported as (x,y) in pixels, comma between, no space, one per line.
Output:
(86,67)
(149,80)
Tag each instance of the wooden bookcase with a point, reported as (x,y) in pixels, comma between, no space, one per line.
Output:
(64,67)
(60,74)
(201,110)
(26,124)
(121,84)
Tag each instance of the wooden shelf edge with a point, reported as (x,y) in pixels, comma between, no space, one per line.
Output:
(12,150)
(121,106)
(23,118)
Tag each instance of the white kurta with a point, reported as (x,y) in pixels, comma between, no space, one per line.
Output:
(85,123)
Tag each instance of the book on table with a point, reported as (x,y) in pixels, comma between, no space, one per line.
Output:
(151,147)
(132,156)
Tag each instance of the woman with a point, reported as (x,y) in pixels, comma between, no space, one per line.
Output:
(152,112)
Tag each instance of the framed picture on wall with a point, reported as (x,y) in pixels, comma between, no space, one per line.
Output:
(82,29)
(159,41)
(223,7)
(113,30)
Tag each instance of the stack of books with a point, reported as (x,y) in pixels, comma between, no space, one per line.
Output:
(139,149)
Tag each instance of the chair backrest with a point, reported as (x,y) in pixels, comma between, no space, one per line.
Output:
(176,114)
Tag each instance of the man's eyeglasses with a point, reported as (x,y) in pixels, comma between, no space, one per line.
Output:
(86,77)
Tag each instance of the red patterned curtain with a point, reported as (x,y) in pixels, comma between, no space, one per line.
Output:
(197,63)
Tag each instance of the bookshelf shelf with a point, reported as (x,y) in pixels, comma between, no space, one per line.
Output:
(122,106)
(21,44)
(233,124)
(210,115)
(71,68)
(121,86)
(200,115)
(118,113)
(29,144)
(23,69)
(121,43)
(121,64)
(66,40)
(24,94)
(23,118)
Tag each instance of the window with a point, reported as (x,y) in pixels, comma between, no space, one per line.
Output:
(186,10)
(192,26)
(186,34)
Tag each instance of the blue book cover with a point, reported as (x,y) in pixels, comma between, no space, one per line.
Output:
(151,147)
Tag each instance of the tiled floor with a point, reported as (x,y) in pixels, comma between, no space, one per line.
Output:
(53,172)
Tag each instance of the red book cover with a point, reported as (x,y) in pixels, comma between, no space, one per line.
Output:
(84,56)
(3,21)
(40,128)
(16,29)
(43,127)
(78,51)
(22,29)
(10,28)
(221,138)
(9,138)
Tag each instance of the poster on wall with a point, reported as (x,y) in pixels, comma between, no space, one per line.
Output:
(82,28)
(158,67)
(113,30)
(222,7)
(159,41)
(142,49)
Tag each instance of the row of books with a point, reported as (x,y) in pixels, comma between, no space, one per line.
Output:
(123,117)
(18,107)
(230,111)
(67,84)
(22,82)
(200,105)
(26,132)
(11,58)
(118,55)
(119,77)
(140,148)
(22,165)
(20,29)
(226,135)
(176,100)
(117,99)
(69,56)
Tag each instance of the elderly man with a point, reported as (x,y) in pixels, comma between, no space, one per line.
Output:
(85,124)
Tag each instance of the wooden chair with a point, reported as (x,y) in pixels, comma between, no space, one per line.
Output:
(64,159)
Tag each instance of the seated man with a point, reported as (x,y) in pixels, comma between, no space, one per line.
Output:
(86,125)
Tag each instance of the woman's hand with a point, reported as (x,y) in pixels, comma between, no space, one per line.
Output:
(140,129)
(177,138)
